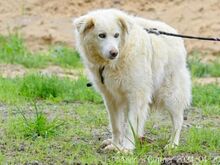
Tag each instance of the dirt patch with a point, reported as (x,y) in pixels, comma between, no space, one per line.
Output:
(209,58)
(61,72)
(208,80)
(12,70)
(48,22)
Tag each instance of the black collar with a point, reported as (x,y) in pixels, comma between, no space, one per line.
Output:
(101,69)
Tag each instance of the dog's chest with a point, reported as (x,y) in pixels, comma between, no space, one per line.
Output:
(113,80)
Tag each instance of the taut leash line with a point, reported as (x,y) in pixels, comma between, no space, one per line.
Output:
(158,32)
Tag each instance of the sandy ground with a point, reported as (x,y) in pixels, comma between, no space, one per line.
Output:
(47,22)
(15,70)
(12,70)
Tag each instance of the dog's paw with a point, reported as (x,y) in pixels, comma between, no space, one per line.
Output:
(106,143)
(126,150)
(111,147)
(119,149)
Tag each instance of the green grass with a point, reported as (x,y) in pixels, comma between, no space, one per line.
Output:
(2,158)
(42,87)
(201,69)
(206,95)
(207,99)
(210,110)
(13,51)
(200,141)
(65,57)
(85,127)
(33,127)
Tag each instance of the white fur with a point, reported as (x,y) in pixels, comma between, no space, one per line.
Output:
(149,72)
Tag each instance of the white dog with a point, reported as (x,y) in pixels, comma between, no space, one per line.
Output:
(134,71)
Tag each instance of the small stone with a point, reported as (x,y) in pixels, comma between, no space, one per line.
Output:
(21,147)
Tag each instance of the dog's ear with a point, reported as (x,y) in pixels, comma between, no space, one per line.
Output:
(124,24)
(83,24)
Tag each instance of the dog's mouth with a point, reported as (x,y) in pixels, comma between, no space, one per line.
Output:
(112,58)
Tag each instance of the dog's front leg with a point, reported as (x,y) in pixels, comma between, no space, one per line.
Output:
(115,118)
(132,126)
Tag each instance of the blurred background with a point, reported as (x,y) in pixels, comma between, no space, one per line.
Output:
(43,23)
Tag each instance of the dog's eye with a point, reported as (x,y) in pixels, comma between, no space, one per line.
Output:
(116,35)
(102,35)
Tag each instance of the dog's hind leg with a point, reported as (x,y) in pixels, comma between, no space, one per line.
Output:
(177,97)
(177,120)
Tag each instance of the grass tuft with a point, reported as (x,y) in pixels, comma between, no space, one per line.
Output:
(201,69)
(33,127)
(38,86)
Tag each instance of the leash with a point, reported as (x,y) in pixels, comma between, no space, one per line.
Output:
(158,32)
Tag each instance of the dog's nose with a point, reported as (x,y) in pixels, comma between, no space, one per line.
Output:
(113,53)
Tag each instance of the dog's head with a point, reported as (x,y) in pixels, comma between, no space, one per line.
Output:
(103,32)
